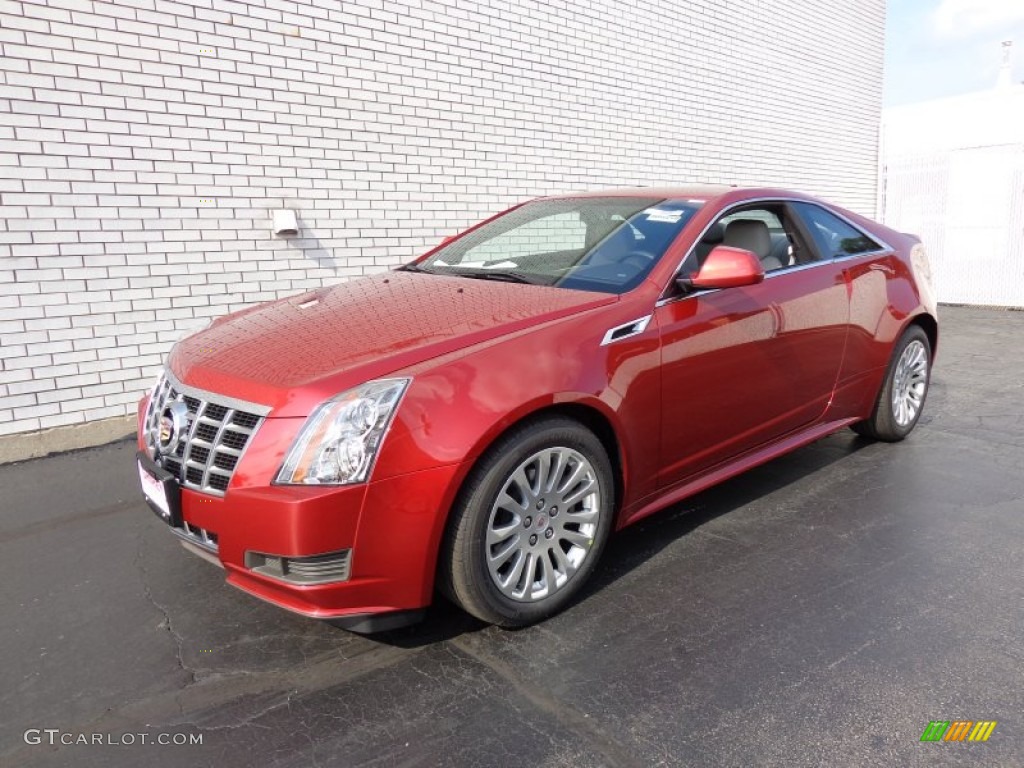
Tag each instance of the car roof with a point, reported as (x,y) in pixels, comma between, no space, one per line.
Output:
(702,192)
(695,191)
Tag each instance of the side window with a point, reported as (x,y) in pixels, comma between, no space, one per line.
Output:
(551,234)
(832,235)
(770,218)
(762,230)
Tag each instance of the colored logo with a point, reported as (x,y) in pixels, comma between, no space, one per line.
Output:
(958,730)
(171,427)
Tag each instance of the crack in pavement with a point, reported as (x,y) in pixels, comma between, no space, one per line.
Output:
(249,719)
(210,694)
(575,721)
(179,641)
(46,526)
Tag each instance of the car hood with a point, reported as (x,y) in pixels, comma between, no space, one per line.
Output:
(293,353)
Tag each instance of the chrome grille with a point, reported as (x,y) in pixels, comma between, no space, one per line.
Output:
(216,433)
(199,536)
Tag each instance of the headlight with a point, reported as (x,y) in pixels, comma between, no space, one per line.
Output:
(339,442)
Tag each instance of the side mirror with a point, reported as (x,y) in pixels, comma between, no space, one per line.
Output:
(725,267)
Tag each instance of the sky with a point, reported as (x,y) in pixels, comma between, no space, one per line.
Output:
(937,48)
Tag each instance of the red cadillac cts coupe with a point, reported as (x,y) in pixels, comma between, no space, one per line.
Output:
(479,421)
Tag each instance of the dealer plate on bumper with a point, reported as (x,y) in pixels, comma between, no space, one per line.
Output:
(160,489)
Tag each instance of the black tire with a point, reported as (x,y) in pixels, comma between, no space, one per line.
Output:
(464,572)
(883,423)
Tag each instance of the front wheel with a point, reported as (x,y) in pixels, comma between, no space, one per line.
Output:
(530,524)
(904,390)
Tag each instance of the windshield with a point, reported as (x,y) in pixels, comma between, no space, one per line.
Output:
(607,244)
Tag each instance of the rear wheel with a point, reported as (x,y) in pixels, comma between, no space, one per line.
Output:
(530,524)
(904,390)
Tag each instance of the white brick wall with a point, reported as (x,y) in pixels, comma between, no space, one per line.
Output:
(143,144)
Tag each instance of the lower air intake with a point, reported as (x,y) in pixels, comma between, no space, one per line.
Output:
(319,569)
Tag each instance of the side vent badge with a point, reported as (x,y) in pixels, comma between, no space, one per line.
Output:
(626,330)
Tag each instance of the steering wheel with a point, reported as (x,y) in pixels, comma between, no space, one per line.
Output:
(639,259)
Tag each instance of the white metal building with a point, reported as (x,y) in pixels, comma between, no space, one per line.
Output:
(144,144)
(953,173)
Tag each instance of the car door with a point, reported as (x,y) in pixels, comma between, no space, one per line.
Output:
(869,265)
(744,366)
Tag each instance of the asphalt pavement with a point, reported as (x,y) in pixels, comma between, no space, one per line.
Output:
(820,610)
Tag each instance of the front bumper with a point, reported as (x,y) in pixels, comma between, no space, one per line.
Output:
(392,528)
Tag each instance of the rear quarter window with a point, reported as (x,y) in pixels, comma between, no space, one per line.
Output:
(832,235)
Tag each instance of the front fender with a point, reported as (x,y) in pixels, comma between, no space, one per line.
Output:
(459,405)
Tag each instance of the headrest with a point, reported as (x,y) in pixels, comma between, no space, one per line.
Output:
(750,234)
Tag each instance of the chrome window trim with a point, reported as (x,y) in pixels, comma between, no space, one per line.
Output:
(885,247)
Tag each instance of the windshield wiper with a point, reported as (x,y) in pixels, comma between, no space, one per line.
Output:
(414,268)
(503,275)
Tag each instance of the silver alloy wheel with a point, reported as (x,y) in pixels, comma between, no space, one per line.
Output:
(543,523)
(910,382)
